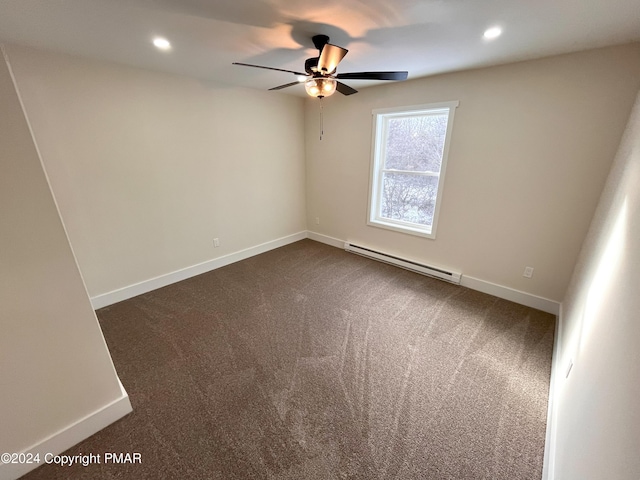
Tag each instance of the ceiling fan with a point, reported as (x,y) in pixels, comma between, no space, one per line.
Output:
(320,77)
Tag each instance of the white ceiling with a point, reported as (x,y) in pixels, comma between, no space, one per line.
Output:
(425,37)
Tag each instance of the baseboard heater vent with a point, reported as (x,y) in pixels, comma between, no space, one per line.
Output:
(452,277)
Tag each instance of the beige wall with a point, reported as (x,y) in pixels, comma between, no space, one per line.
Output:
(148,168)
(597,412)
(532,144)
(55,368)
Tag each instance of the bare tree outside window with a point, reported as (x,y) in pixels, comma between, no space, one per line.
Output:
(408,162)
(414,147)
(409,198)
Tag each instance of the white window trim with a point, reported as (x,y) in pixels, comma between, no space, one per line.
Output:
(376,178)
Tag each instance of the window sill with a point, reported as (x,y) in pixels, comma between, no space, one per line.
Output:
(420,232)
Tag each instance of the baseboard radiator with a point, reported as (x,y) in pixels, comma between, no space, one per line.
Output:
(452,277)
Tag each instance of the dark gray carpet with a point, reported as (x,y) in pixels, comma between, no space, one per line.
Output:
(307,362)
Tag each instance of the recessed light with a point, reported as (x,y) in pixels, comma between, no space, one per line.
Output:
(493,32)
(162,43)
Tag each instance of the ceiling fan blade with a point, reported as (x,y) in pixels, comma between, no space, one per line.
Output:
(330,58)
(280,87)
(271,68)
(373,76)
(345,89)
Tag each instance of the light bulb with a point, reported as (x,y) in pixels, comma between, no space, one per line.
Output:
(321,86)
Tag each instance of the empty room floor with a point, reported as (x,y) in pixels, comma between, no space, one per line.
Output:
(307,362)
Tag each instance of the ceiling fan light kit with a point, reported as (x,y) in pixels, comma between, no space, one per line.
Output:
(321,86)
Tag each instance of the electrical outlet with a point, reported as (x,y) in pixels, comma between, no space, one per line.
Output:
(317,220)
(216,242)
(528,272)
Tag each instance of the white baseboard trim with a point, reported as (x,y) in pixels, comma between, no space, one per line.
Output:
(70,436)
(549,459)
(146,286)
(318,237)
(507,293)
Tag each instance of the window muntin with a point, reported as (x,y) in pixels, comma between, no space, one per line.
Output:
(410,148)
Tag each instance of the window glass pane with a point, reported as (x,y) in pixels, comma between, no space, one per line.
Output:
(416,143)
(408,198)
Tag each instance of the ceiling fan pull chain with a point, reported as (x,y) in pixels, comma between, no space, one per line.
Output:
(321,120)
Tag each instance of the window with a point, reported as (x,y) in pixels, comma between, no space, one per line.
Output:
(410,146)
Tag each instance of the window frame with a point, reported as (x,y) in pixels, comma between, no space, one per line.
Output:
(380,119)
